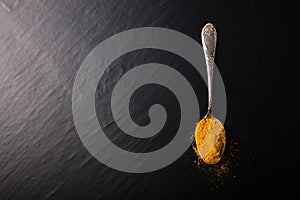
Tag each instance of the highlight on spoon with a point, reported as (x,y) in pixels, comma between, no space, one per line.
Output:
(210,135)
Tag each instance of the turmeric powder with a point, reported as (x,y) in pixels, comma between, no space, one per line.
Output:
(210,139)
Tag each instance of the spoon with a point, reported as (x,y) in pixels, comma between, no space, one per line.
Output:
(210,133)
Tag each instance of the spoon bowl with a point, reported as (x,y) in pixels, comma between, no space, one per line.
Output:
(210,139)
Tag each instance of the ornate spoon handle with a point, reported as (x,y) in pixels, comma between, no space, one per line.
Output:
(209,41)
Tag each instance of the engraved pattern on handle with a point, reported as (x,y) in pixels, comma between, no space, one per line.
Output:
(209,41)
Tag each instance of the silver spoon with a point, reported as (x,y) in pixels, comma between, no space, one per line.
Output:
(210,133)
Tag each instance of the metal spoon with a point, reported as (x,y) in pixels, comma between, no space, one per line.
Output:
(210,133)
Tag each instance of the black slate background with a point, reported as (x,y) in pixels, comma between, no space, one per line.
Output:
(43,43)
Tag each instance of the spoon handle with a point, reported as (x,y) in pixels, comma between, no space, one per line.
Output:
(209,40)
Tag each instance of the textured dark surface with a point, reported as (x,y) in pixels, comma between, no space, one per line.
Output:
(43,43)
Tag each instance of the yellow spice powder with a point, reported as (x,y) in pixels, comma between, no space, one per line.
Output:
(210,139)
